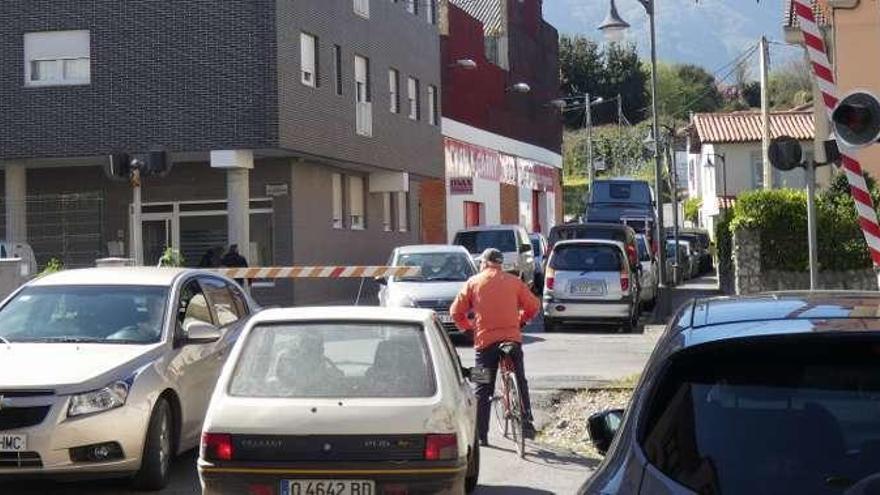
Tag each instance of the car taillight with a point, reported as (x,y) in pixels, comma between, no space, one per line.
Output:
(216,446)
(550,279)
(441,447)
(624,281)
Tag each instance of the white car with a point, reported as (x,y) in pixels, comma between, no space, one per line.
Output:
(341,400)
(649,277)
(109,371)
(445,269)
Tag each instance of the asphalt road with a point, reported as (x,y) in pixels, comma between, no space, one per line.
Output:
(576,358)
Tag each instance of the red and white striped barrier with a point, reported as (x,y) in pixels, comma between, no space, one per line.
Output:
(320,271)
(824,74)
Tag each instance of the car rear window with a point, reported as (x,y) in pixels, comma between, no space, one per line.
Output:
(478,241)
(777,415)
(586,258)
(621,192)
(587,232)
(334,360)
(642,245)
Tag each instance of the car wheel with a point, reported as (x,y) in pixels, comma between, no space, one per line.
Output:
(550,325)
(473,472)
(631,325)
(158,450)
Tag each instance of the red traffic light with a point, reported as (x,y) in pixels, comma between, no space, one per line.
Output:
(856,120)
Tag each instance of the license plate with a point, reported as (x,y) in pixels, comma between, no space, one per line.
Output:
(445,318)
(328,487)
(13,443)
(588,288)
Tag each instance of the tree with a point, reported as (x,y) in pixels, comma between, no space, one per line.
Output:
(625,76)
(684,88)
(791,86)
(580,67)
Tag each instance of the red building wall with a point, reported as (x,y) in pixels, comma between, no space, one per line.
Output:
(479,97)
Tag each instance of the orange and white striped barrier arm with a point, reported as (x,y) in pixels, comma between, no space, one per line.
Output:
(320,271)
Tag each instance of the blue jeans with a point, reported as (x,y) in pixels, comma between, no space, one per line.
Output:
(488,358)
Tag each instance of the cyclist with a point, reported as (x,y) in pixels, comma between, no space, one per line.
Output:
(501,305)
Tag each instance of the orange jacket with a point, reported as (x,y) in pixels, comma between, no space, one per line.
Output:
(501,303)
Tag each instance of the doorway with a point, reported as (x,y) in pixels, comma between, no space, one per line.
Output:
(156,233)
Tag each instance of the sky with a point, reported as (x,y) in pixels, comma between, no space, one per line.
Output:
(709,33)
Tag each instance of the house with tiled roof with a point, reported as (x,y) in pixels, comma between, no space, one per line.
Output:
(725,159)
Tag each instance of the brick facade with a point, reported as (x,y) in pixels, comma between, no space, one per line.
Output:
(432,208)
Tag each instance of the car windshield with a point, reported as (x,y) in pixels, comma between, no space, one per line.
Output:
(437,267)
(586,258)
(478,241)
(609,233)
(621,192)
(338,360)
(72,313)
(776,416)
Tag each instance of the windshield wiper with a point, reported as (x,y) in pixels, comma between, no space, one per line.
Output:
(70,340)
(5,340)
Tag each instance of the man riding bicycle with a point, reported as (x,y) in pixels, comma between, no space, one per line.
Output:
(501,305)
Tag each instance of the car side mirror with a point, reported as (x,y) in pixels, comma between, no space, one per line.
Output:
(381,280)
(525,248)
(198,332)
(478,375)
(603,426)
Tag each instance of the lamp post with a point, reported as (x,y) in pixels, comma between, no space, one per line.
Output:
(614,27)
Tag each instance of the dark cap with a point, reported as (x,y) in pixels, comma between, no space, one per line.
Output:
(492,255)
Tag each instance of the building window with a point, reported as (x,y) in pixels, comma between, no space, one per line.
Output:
(402,212)
(432,11)
(337,68)
(337,202)
(387,218)
(432,105)
(362,8)
(412,85)
(757,170)
(363,108)
(356,202)
(308,52)
(57,58)
(394,90)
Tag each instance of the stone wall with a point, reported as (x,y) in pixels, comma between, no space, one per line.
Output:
(749,276)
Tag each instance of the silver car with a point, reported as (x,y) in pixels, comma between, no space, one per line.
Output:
(110,370)
(590,281)
(541,250)
(511,240)
(649,276)
(445,269)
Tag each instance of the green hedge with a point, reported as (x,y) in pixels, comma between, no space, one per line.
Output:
(780,216)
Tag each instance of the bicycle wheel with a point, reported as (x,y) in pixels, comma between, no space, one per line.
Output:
(500,408)
(516,414)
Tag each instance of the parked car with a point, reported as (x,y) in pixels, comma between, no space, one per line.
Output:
(701,243)
(590,281)
(687,261)
(511,240)
(772,393)
(603,231)
(346,400)
(109,371)
(611,200)
(649,276)
(540,248)
(445,269)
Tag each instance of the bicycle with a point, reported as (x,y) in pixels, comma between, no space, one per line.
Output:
(508,404)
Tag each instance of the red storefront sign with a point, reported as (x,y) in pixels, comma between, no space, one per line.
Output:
(465,160)
(468,160)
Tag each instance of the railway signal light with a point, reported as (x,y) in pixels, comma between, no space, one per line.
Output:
(856,119)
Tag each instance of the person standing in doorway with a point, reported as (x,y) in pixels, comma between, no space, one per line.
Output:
(232,259)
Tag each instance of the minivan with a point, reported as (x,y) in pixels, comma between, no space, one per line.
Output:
(612,200)
(512,240)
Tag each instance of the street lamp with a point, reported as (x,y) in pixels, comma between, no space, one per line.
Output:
(464,63)
(614,27)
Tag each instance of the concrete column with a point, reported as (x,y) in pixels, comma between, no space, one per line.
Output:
(16,206)
(237,164)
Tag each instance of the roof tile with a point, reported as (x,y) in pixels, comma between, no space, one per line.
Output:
(745,127)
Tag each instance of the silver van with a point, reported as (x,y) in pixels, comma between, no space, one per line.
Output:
(590,281)
(512,240)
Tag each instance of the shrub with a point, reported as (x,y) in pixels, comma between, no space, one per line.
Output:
(54,265)
(692,209)
(171,257)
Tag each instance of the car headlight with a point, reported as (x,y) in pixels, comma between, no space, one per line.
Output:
(104,399)
(402,301)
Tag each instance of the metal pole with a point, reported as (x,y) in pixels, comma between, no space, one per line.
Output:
(671,164)
(136,228)
(765,115)
(658,166)
(811,224)
(589,128)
